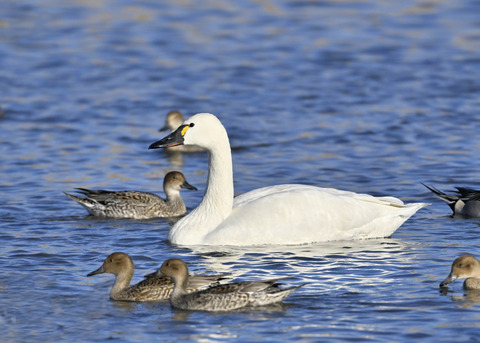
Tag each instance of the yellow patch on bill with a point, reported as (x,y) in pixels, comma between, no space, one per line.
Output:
(184,130)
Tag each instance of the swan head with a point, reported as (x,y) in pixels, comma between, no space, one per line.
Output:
(202,129)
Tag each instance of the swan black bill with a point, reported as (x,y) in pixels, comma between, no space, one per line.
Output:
(173,139)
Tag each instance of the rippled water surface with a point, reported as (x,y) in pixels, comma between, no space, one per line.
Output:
(366,96)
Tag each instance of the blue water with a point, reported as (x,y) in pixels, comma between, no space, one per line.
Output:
(369,96)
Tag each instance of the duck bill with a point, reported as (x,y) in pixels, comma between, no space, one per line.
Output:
(449,279)
(188,186)
(173,139)
(96,272)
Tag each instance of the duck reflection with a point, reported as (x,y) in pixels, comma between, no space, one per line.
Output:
(470,297)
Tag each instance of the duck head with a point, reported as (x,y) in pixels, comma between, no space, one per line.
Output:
(175,269)
(115,263)
(463,267)
(176,181)
(173,120)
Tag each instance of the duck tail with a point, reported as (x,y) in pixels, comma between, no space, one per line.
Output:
(88,204)
(281,294)
(449,199)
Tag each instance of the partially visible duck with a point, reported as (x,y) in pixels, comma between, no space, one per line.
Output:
(154,288)
(172,121)
(464,202)
(281,214)
(465,267)
(226,297)
(135,204)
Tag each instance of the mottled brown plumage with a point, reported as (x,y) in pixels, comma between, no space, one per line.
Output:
(154,288)
(136,204)
(224,297)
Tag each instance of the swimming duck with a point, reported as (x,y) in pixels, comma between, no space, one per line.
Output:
(172,121)
(226,297)
(135,204)
(282,214)
(465,203)
(154,288)
(465,267)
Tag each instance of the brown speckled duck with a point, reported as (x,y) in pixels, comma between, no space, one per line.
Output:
(154,288)
(226,297)
(135,204)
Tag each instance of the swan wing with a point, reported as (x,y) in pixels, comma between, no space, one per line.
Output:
(299,214)
(256,194)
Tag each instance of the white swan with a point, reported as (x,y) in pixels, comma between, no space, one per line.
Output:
(283,214)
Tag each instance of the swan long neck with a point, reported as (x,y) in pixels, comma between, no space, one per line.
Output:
(217,202)
(219,192)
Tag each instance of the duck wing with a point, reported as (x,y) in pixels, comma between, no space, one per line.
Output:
(110,197)
(469,194)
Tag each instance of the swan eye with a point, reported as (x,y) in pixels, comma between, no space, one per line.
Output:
(192,124)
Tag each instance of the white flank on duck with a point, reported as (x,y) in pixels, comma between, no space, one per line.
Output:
(463,202)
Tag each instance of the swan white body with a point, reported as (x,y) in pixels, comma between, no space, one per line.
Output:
(283,214)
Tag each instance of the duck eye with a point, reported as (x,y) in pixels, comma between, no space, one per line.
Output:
(111,260)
